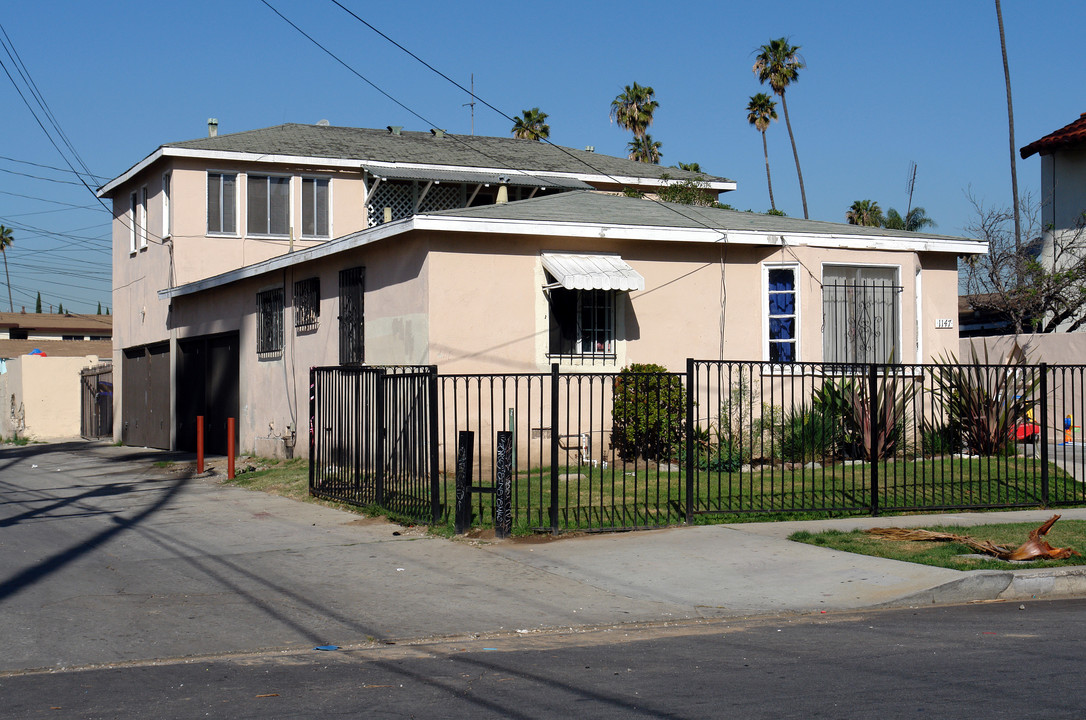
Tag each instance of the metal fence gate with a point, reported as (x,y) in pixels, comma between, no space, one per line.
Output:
(96,402)
(373,438)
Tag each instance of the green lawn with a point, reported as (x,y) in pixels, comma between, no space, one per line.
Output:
(624,497)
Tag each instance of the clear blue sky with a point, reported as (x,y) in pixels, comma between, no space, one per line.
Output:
(886,84)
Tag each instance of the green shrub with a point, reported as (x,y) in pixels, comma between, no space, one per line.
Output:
(726,458)
(940,440)
(810,434)
(647,413)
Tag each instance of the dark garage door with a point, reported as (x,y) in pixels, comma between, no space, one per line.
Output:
(208,385)
(145,396)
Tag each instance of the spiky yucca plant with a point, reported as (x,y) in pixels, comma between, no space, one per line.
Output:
(984,401)
(850,401)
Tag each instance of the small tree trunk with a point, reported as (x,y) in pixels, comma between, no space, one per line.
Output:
(768,179)
(1010,124)
(795,154)
(11,306)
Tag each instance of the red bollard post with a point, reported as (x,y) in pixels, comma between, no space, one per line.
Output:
(199,444)
(230,448)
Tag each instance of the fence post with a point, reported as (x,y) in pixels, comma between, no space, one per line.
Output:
(379,437)
(230,448)
(689,439)
(873,450)
(503,487)
(1044,434)
(199,444)
(465,449)
(554,448)
(435,490)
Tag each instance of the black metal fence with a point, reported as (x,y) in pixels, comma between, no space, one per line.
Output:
(96,402)
(372,438)
(635,450)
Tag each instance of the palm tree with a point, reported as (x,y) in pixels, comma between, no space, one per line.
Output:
(760,110)
(914,221)
(6,239)
(531,125)
(865,212)
(633,108)
(779,63)
(644,149)
(692,167)
(1010,124)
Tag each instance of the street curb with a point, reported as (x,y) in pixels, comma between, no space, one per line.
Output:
(987,585)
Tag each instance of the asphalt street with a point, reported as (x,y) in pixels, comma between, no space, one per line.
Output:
(119,571)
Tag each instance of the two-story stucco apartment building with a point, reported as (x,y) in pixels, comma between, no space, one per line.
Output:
(242,260)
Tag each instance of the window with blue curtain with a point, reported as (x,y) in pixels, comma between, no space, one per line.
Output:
(782,315)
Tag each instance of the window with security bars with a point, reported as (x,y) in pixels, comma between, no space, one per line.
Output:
(269,321)
(860,314)
(352,350)
(582,323)
(307,306)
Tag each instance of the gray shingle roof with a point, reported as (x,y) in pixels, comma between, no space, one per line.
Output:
(595,207)
(425,148)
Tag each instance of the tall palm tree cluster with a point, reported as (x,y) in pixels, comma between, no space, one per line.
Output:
(869,214)
(778,63)
(633,109)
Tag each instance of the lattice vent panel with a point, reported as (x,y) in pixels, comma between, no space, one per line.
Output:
(441,197)
(398,196)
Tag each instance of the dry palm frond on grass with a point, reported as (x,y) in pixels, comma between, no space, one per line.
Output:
(1035,548)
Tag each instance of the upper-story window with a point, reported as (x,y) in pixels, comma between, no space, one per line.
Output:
(221,201)
(166,205)
(268,205)
(133,221)
(315,207)
(143,218)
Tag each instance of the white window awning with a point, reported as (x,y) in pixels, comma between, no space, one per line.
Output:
(592,272)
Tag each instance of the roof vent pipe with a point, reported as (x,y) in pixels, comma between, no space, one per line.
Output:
(503,194)
(395,129)
(212,127)
(437,132)
(590,148)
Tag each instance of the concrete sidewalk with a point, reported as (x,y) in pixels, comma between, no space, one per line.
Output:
(105,558)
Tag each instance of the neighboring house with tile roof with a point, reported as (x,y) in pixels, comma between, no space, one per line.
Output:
(1063,190)
(566,271)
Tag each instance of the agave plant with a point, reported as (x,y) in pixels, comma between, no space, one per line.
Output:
(876,428)
(984,401)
